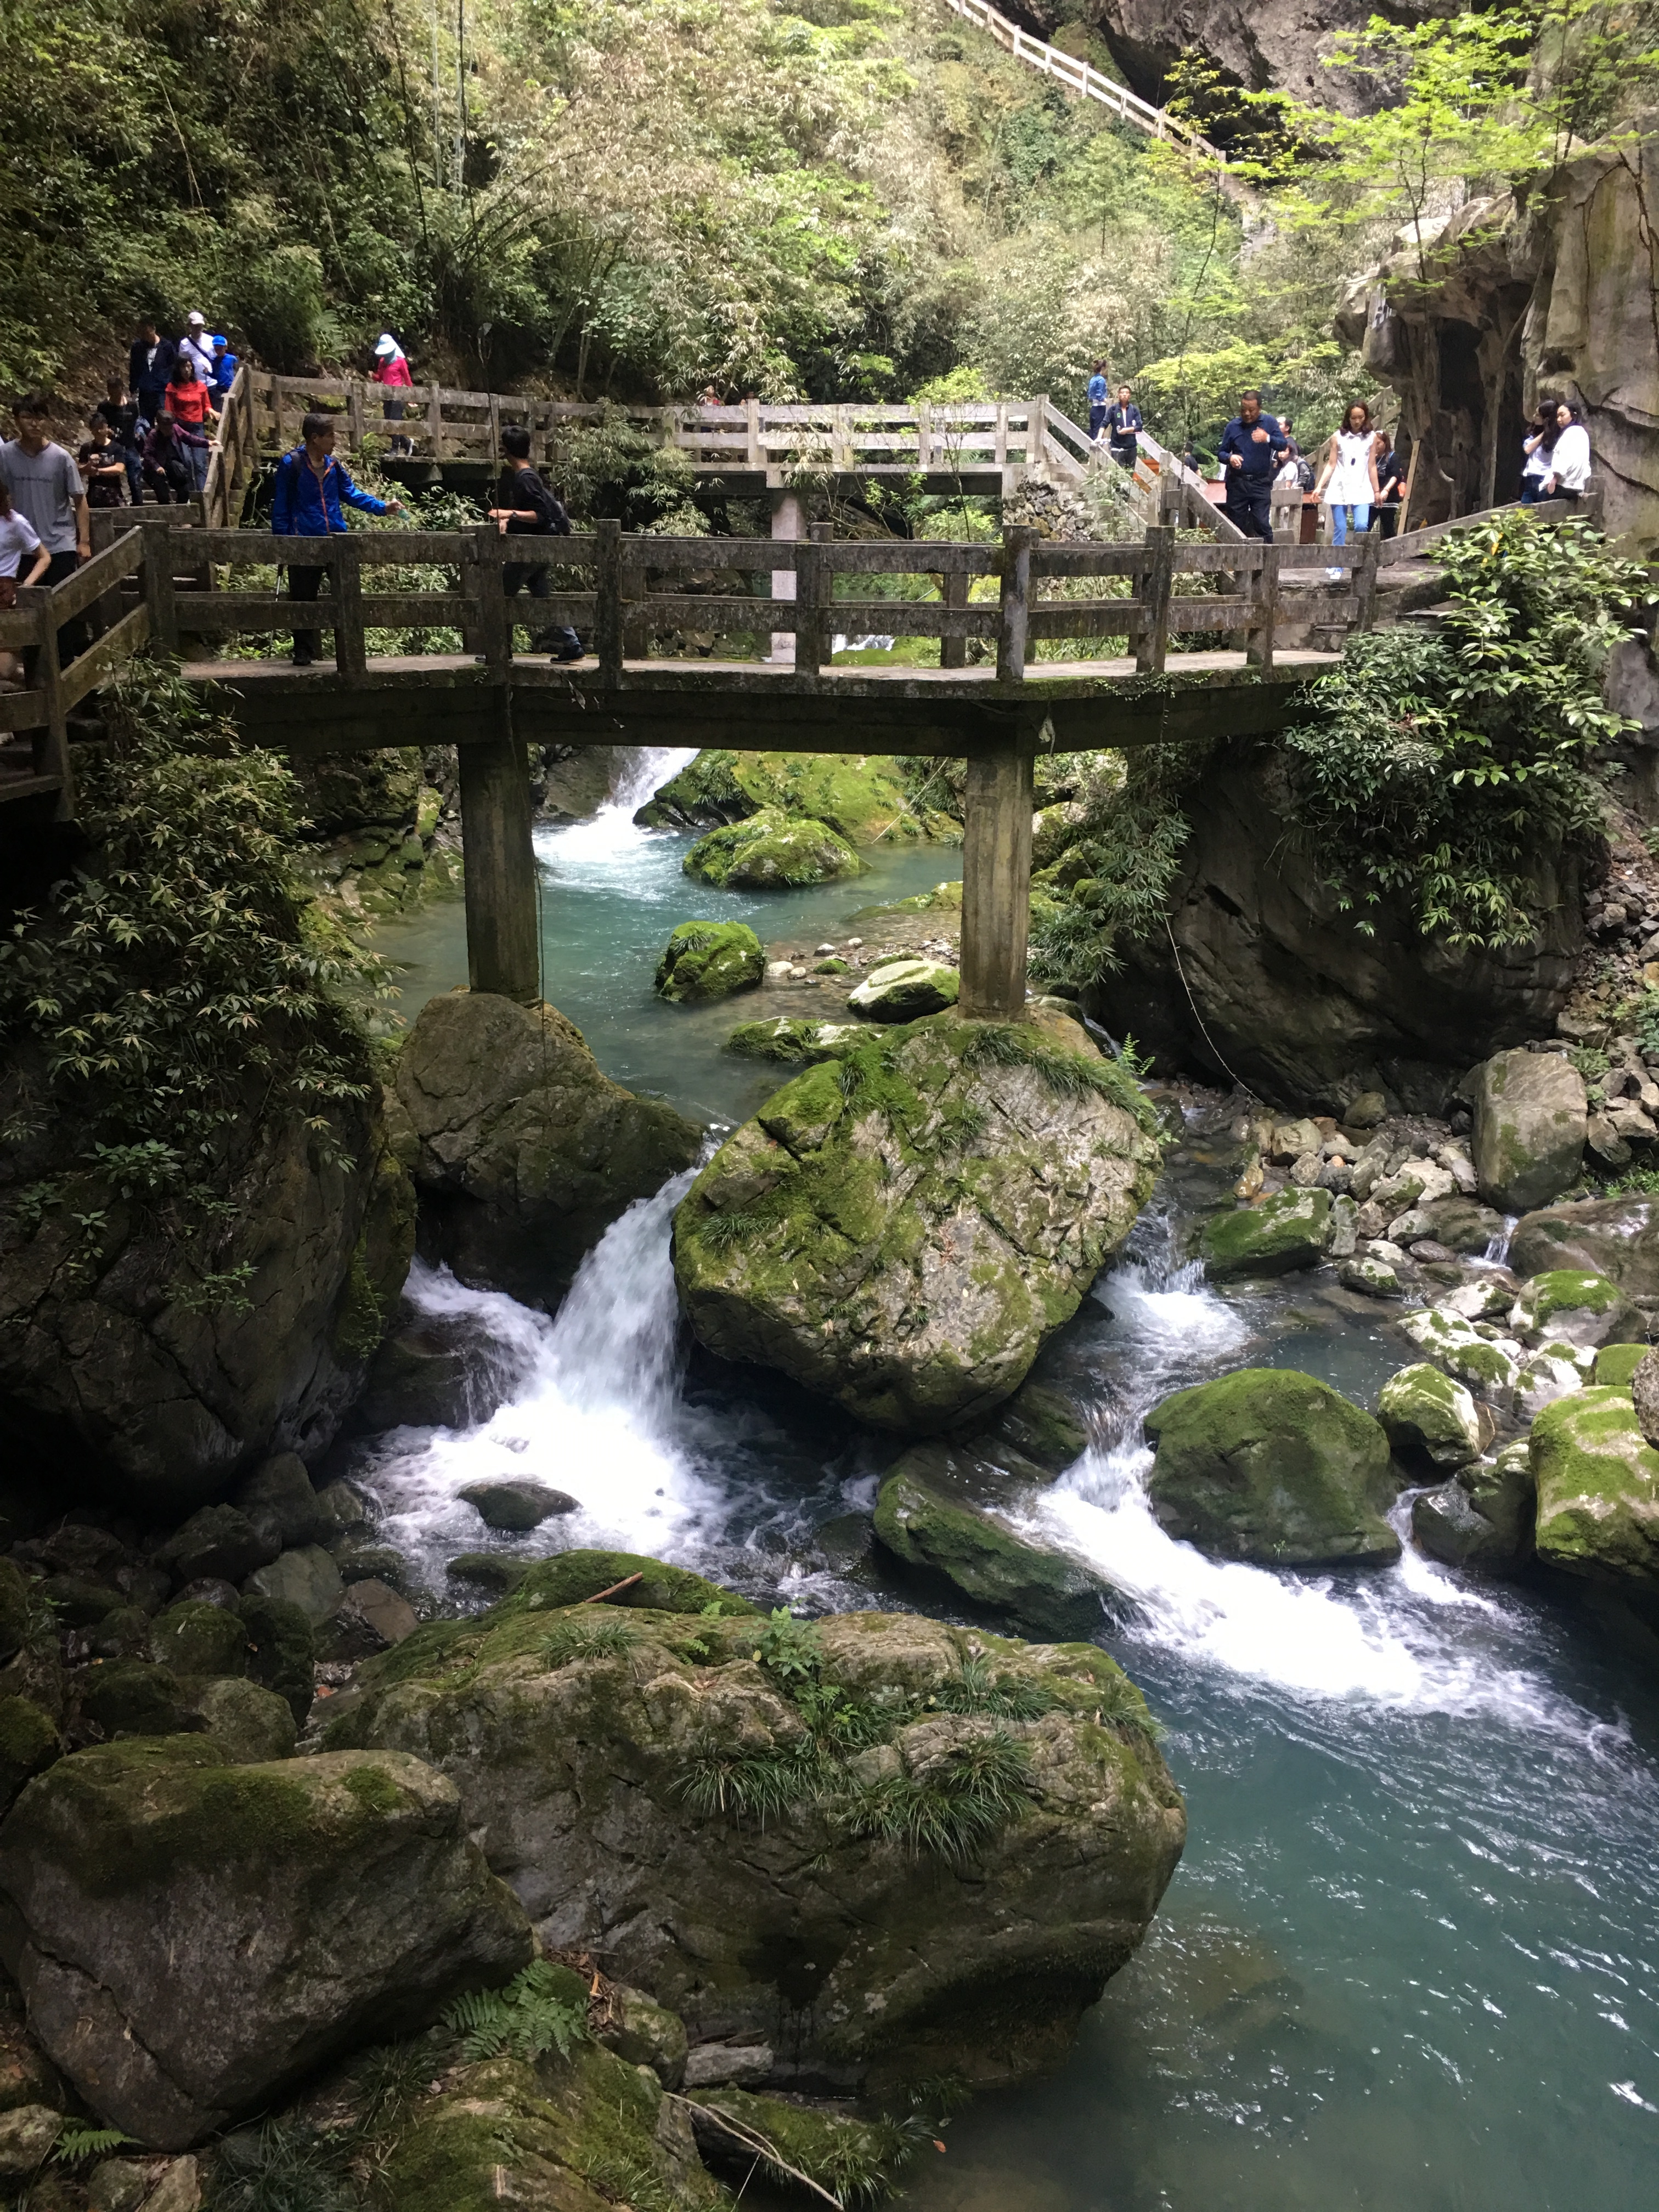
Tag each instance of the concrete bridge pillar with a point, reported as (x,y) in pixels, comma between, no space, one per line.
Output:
(996,882)
(503,941)
(786,524)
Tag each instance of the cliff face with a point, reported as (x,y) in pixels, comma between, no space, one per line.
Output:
(1557,295)
(1276,43)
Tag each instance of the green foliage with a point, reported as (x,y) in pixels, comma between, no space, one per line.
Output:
(975,1789)
(289,2166)
(534,2015)
(1007,1697)
(1111,883)
(1645,1024)
(1439,768)
(594,1634)
(791,1650)
(1067,1074)
(752,1786)
(77,2143)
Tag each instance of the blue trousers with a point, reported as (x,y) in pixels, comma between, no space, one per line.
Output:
(1361,516)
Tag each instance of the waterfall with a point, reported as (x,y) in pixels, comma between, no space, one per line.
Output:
(608,834)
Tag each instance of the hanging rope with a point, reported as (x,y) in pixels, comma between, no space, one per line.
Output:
(1193,1003)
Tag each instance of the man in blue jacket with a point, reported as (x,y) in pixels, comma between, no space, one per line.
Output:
(311,485)
(1253,449)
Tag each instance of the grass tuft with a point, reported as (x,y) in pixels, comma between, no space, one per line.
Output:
(978,1788)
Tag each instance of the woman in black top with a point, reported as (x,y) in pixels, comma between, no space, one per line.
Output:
(525,507)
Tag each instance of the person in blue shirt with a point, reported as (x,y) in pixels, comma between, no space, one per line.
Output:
(224,368)
(1253,448)
(312,491)
(1123,427)
(1099,395)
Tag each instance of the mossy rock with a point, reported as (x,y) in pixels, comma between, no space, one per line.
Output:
(14,1608)
(797,1044)
(130,1697)
(772,851)
(1270,1465)
(943,1510)
(194,1638)
(250,1725)
(1428,1417)
(646,2033)
(1040,1422)
(282,1651)
(862,797)
(903,1231)
(708,960)
(1489,1364)
(1598,1488)
(1578,1308)
(1616,1363)
(28,1744)
(572,1576)
(904,989)
(1284,1232)
(854,2160)
(1530,1119)
(1482,1519)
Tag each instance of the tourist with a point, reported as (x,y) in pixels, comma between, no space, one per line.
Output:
(19,542)
(164,463)
(1537,444)
(190,402)
(196,344)
(1252,451)
(1123,427)
(391,372)
(1390,482)
(225,365)
(525,507)
(311,491)
(1569,459)
(1099,392)
(1347,480)
(46,490)
(149,366)
(122,415)
(102,464)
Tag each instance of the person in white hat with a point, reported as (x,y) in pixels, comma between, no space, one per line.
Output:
(197,344)
(391,372)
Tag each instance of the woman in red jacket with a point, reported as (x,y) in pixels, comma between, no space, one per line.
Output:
(190,402)
(390,371)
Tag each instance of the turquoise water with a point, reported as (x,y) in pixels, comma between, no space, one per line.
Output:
(1410,1962)
(610,895)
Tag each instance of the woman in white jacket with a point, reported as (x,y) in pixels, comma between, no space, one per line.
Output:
(1347,482)
(1570,462)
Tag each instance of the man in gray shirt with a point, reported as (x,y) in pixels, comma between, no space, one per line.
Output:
(45,486)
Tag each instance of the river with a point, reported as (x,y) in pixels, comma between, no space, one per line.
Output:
(1409,1957)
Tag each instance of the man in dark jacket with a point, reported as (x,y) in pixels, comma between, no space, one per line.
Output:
(1252,451)
(525,507)
(1123,427)
(306,501)
(149,369)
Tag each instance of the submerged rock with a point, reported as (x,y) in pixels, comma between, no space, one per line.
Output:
(904,989)
(949,1510)
(782,1870)
(710,960)
(516,1506)
(1598,1488)
(1531,1117)
(1482,1519)
(772,851)
(1267,1464)
(193,1937)
(522,1152)
(797,1044)
(901,1232)
(1271,1238)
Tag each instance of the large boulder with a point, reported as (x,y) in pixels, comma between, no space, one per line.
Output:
(769,1825)
(772,851)
(1598,1488)
(522,1152)
(709,960)
(1269,1464)
(1618,1237)
(1279,1234)
(954,1513)
(123,1375)
(1567,1305)
(861,796)
(1262,977)
(904,988)
(1530,1118)
(1428,1417)
(193,1937)
(901,1231)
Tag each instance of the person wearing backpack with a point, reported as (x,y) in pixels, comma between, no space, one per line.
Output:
(526,507)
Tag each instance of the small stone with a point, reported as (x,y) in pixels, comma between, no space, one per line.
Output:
(777,971)
(118,2184)
(278,1499)
(824,948)
(1306,1171)
(517,1506)
(218,1542)
(714,2065)
(489,1570)
(1367,1110)
(1426,1249)
(1291,1139)
(1345,1220)
(27,2134)
(306,1578)
(1250,1184)
(180,2189)
(371,1617)
(250,1725)
(1371,1277)
(1371,1219)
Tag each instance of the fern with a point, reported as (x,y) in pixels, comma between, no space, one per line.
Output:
(531,2016)
(75,2143)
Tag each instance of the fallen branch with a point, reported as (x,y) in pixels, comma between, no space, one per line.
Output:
(753,2141)
(599,1596)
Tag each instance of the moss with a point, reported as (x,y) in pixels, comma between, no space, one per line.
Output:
(1289,1230)
(130,1696)
(197,1638)
(574,1575)
(854,2160)
(28,1743)
(1426,1415)
(706,960)
(1271,1465)
(772,851)
(374,1790)
(1598,1487)
(282,1650)
(1616,1364)
(360,1318)
(794,1041)
(861,797)
(925,1521)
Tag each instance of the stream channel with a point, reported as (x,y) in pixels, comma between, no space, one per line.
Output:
(1410,1957)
